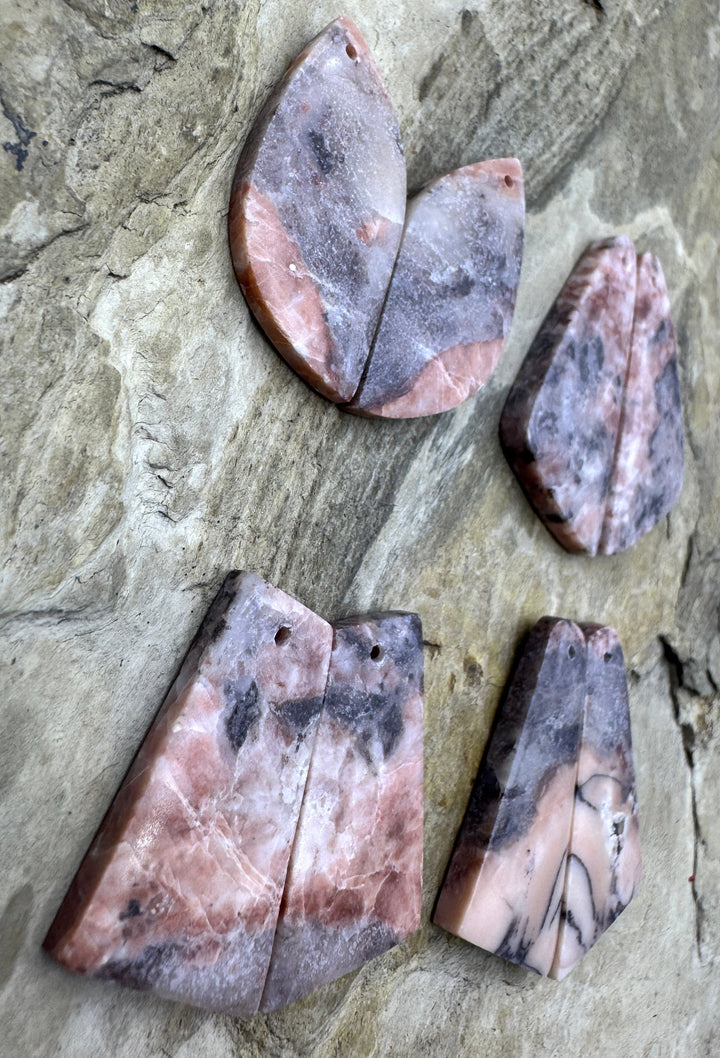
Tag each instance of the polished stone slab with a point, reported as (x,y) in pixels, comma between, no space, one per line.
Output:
(317,209)
(592,425)
(354,883)
(180,890)
(548,854)
(559,425)
(604,866)
(504,883)
(451,300)
(647,474)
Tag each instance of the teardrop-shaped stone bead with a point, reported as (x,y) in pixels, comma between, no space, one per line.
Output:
(317,209)
(451,300)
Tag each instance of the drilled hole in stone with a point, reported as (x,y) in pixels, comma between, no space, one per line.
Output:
(509,180)
(351,51)
(571,652)
(377,652)
(282,635)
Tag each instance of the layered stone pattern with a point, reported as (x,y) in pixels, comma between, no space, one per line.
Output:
(592,426)
(354,883)
(317,209)
(451,301)
(316,216)
(548,854)
(181,890)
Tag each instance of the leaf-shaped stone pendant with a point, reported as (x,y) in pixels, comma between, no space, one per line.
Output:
(317,209)
(316,217)
(451,301)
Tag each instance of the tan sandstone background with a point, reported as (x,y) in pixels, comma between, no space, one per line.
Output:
(152,440)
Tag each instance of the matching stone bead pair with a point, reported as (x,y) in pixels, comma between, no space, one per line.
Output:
(396,310)
(268,837)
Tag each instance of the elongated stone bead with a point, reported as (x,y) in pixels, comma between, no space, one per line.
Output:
(504,884)
(180,890)
(647,474)
(604,865)
(452,296)
(354,883)
(317,209)
(561,418)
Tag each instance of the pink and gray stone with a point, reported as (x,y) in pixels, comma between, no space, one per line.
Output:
(560,421)
(549,852)
(504,883)
(648,472)
(181,888)
(592,426)
(604,865)
(452,296)
(317,210)
(355,878)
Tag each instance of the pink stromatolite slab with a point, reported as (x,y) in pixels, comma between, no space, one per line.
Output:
(560,422)
(504,883)
(317,209)
(180,890)
(648,472)
(451,301)
(604,863)
(355,877)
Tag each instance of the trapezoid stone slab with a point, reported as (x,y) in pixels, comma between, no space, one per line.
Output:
(559,425)
(647,474)
(180,890)
(604,867)
(504,883)
(592,425)
(548,854)
(354,883)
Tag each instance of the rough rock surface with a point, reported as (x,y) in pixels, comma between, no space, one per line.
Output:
(151,439)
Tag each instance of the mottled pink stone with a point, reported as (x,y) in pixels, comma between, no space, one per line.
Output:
(560,421)
(548,854)
(604,865)
(592,426)
(180,890)
(647,474)
(504,883)
(355,877)
(452,296)
(317,209)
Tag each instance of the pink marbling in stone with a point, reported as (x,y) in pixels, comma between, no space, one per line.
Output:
(647,473)
(561,417)
(604,865)
(451,300)
(503,887)
(354,882)
(548,854)
(317,209)
(181,888)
